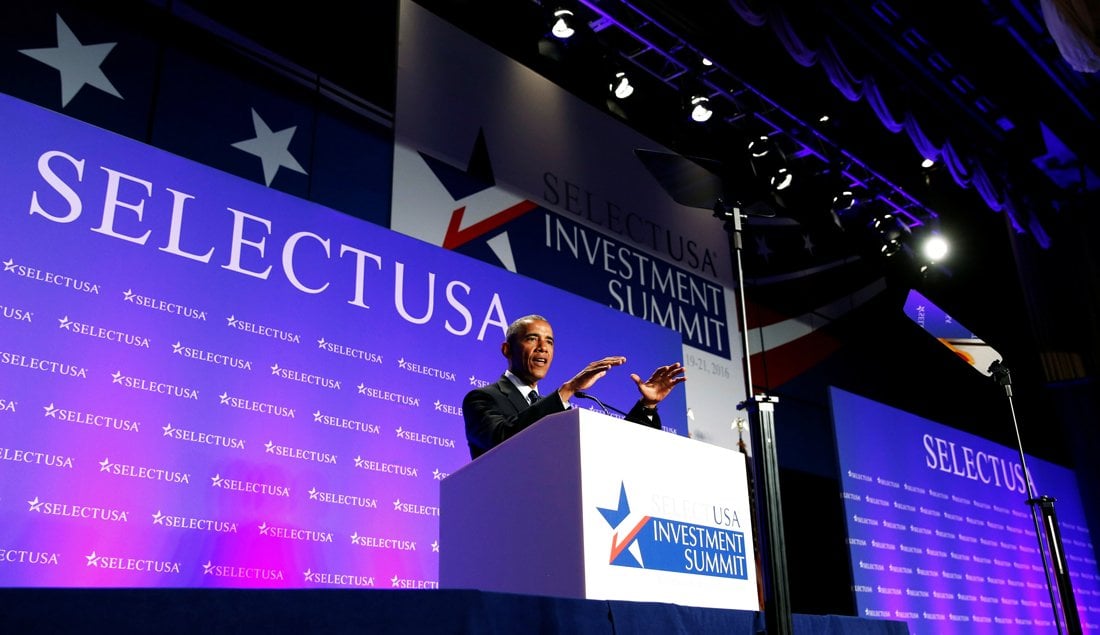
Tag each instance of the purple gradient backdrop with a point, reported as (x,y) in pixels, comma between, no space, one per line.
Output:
(117,356)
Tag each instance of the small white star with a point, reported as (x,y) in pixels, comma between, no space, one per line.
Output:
(9,264)
(177,348)
(77,63)
(128,295)
(272,148)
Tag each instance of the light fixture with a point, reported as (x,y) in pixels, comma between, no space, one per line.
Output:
(769,163)
(934,248)
(562,27)
(760,146)
(927,163)
(700,109)
(781,179)
(891,231)
(620,85)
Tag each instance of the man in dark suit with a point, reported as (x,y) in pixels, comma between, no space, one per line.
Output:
(496,412)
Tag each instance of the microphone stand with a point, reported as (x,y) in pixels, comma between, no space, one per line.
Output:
(1050,525)
(606,408)
(761,410)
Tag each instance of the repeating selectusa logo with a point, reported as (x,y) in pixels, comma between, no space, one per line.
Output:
(8,405)
(164,306)
(203,438)
(447,408)
(82,512)
(49,277)
(43,365)
(478,383)
(397,582)
(305,378)
(337,579)
(16,314)
(415,508)
(386,395)
(263,330)
(438,475)
(131,564)
(346,424)
(143,472)
(96,420)
(102,333)
(153,386)
(385,467)
(250,487)
(377,542)
(194,523)
(26,556)
(235,572)
(294,533)
(426,439)
(252,405)
(300,454)
(349,351)
(210,357)
(34,457)
(350,500)
(421,369)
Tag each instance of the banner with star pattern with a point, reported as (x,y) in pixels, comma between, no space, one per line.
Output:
(208,383)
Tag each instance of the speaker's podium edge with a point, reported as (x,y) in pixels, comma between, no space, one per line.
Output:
(526,516)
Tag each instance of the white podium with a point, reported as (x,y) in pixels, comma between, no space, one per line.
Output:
(582,505)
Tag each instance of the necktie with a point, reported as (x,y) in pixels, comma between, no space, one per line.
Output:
(532,396)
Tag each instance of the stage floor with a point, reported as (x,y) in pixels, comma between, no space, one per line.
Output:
(438,612)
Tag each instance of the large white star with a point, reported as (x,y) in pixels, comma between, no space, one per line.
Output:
(271,147)
(77,63)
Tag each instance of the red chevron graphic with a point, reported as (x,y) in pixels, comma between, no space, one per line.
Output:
(617,547)
(457,237)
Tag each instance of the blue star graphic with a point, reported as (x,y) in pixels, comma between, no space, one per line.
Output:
(616,516)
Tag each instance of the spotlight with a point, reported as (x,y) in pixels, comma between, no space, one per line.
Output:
(927,163)
(760,146)
(700,109)
(563,24)
(620,86)
(891,231)
(935,248)
(781,179)
(843,201)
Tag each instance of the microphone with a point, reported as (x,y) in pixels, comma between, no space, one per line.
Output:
(584,395)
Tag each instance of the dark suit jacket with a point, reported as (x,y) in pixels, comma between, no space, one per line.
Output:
(496,412)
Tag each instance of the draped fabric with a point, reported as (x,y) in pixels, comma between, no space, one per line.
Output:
(1072,22)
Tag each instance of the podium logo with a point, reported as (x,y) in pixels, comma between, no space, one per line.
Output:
(663,544)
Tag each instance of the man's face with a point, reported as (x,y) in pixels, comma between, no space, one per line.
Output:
(530,352)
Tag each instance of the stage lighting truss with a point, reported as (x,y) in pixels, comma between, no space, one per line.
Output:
(642,43)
